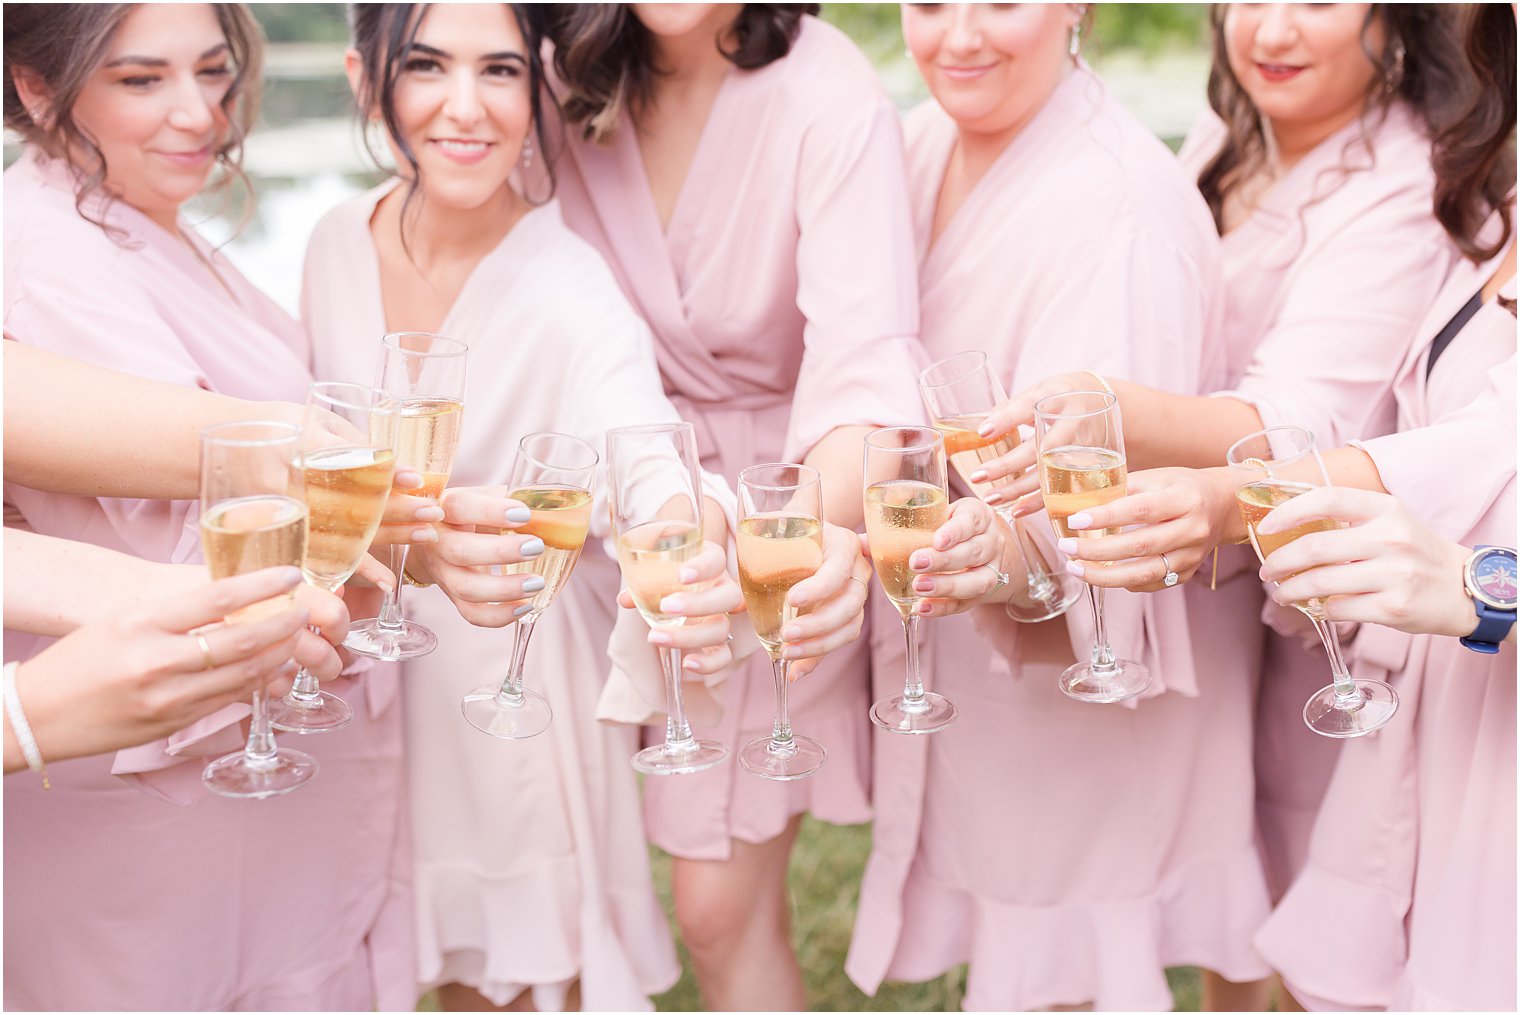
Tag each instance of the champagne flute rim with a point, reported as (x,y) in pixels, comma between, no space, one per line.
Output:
(933,435)
(806,476)
(322,391)
(977,360)
(280,432)
(651,428)
(539,461)
(393,340)
(1284,429)
(1108,400)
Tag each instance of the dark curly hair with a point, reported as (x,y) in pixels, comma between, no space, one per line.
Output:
(62,45)
(604,58)
(1420,63)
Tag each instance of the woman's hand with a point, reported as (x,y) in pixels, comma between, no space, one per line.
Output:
(950,575)
(1179,513)
(407,518)
(1385,568)
(709,594)
(474,537)
(142,675)
(317,651)
(1022,487)
(831,603)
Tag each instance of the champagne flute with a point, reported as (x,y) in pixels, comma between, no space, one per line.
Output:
(552,476)
(424,376)
(1272,467)
(780,543)
(1080,439)
(905,502)
(348,460)
(960,391)
(253,516)
(655,496)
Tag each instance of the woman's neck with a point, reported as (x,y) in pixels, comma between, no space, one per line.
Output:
(1288,143)
(439,235)
(976,150)
(695,59)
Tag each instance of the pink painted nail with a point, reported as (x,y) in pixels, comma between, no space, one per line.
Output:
(1073,568)
(1080,520)
(1067,545)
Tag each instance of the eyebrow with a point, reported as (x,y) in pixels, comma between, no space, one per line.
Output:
(511,54)
(158,61)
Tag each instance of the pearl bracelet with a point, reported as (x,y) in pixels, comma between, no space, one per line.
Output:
(21,727)
(1102,382)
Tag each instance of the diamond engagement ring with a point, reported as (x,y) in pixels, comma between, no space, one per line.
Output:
(1002,579)
(1170,578)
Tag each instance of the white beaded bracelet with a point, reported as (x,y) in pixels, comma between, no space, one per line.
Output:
(21,727)
(1102,382)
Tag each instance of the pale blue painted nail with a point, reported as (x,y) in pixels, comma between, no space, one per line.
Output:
(523,609)
(518,514)
(534,583)
(532,547)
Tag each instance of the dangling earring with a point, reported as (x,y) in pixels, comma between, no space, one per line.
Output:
(1074,44)
(527,152)
(1395,76)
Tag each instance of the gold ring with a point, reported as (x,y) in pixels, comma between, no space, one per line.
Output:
(863,584)
(200,639)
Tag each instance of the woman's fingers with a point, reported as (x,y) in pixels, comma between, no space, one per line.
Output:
(841,554)
(470,548)
(329,614)
(723,597)
(228,644)
(212,603)
(701,633)
(317,656)
(487,506)
(375,573)
(709,563)
(1335,502)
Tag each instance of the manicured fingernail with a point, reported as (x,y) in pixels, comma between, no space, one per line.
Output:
(1066,545)
(979,476)
(409,480)
(429,513)
(1080,520)
(791,652)
(1073,568)
(672,604)
(686,575)
(659,638)
(920,561)
(923,583)
(522,610)
(793,633)
(690,664)
(993,497)
(518,514)
(533,583)
(424,536)
(290,669)
(924,609)
(985,430)
(532,547)
(288,575)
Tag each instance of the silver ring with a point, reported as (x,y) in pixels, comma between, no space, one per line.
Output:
(1170,578)
(1002,579)
(200,639)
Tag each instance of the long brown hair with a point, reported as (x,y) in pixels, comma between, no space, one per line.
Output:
(62,45)
(1474,157)
(605,57)
(1420,63)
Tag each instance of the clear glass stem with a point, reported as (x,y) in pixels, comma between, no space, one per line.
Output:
(1036,567)
(677,730)
(1347,697)
(511,689)
(1102,653)
(260,752)
(781,732)
(390,611)
(306,690)
(913,686)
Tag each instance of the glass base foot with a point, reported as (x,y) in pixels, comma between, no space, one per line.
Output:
(232,775)
(1064,590)
(933,713)
(805,757)
(368,638)
(291,715)
(489,712)
(1126,680)
(1378,703)
(662,759)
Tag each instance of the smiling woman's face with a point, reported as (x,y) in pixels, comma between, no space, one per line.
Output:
(1303,64)
(990,66)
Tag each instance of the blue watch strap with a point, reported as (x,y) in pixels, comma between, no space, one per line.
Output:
(1493,627)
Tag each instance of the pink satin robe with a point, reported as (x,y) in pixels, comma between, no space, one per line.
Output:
(1325,284)
(1069,851)
(531,864)
(782,302)
(129,885)
(1407,899)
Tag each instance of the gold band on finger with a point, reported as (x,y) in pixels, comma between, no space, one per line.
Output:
(200,639)
(863,583)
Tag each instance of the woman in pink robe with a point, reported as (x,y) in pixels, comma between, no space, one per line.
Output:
(1068,851)
(776,274)
(128,885)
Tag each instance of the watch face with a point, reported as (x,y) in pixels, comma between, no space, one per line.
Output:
(1493,578)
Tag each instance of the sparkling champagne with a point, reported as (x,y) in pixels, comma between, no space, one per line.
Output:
(346,490)
(252,533)
(651,556)
(427,435)
(776,551)
(901,516)
(969,450)
(1257,500)
(1075,479)
(561,516)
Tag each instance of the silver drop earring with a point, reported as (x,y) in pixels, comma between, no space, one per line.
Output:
(527,152)
(1074,44)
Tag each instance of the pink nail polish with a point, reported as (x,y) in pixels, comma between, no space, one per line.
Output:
(1073,568)
(1066,545)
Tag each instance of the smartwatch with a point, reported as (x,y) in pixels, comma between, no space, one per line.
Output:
(1490,580)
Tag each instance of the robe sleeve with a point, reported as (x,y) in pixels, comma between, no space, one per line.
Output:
(857,283)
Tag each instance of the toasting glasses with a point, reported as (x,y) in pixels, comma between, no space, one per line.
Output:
(655,497)
(780,544)
(347,460)
(552,477)
(253,516)
(1080,439)
(423,375)
(1271,467)
(905,502)
(960,391)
